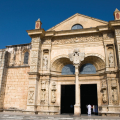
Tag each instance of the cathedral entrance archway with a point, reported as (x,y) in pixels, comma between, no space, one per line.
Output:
(67,98)
(88,96)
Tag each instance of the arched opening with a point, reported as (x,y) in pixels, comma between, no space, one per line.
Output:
(62,66)
(88,69)
(68,70)
(77,26)
(92,65)
(26,56)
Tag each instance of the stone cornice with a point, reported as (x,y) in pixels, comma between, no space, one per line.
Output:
(36,32)
(78,31)
(98,29)
(115,23)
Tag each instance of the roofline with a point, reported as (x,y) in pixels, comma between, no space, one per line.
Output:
(102,21)
(18,45)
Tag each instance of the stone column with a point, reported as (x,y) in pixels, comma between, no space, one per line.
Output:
(77,110)
(34,74)
(76,57)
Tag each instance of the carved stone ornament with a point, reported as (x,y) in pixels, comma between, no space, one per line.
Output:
(104,95)
(111,60)
(43,92)
(104,91)
(45,62)
(42,95)
(31,97)
(47,42)
(108,35)
(76,57)
(82,38)
(36,40)
(117,31)
(103,84)
(114,95)
(43,84)
(53,93)
(114,91)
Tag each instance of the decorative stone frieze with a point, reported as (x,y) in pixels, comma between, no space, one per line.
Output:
(53,93)
(47,42)
(104,91)
(82,38)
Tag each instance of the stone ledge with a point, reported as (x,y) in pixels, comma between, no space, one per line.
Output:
(18,66)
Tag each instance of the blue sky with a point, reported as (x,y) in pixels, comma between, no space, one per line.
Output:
(17,16)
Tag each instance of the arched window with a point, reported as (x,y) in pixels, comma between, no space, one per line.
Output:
(26,56)
(88,69)
(77,26)
(68,70)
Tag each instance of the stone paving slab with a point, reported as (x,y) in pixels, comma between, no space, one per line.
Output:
(21,116)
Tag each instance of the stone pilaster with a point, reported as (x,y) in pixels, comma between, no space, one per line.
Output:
(117,36)
(2,68)
(33,74)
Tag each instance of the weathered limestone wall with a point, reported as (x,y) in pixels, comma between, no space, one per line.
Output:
(16,88)
(2,71)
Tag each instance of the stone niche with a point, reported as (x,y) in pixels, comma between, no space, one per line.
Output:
(110,55)
(45,59)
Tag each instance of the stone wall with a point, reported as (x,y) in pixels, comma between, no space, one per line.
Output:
(16,88)
(2,69)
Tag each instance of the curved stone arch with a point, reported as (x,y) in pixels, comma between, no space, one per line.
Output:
(94,59)
(59,56)
(95,54)
(59,62)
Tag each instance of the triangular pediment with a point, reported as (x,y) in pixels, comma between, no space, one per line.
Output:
(85,21)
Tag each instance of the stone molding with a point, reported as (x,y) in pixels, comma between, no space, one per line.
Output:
(79,39)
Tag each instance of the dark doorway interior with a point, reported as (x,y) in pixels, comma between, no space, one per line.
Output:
(67,98)
(88,96)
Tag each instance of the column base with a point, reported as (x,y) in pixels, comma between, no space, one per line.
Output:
(31,108)
(77,110)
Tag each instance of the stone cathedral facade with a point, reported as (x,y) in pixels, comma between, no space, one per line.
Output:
(47,76)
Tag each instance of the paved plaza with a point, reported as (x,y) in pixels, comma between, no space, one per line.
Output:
(21,116)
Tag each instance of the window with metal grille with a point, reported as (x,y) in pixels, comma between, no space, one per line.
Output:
(77,26)
(26,56)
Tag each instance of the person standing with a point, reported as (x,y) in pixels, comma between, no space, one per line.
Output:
(94,109)
(89,109)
